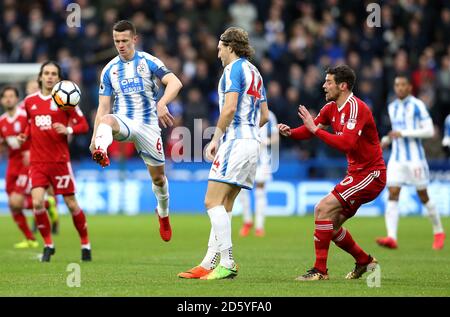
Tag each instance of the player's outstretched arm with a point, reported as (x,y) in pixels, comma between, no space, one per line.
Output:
(284,129)
(104,108)
(424,131)
(173,86)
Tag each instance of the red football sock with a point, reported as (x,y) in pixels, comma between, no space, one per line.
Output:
(343,239)
(79,220)
(322,237)
(21,222)
(43,224)
(28,202)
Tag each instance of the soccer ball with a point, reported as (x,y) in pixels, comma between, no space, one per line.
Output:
(66,94)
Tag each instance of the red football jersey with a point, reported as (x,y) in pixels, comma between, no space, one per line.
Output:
(353,121)
(47,145)
(10,127)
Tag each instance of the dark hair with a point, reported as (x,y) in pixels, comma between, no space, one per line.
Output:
(403,75)
(42,70)
(4,89)
(124,25)
(237,39)
(343,74)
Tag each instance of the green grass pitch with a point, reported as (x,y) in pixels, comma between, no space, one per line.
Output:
(130,259)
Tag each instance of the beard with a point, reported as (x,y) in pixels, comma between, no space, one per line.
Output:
(331,97)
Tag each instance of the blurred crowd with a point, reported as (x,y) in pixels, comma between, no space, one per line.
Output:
(295,41)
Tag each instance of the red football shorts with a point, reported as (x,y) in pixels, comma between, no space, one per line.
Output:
(59,175)
(18,182)
(359,188)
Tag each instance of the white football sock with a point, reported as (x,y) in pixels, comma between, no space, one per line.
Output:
(213,254)
(433,214)
(103,136)
(391,216)
(221,224)
(162,196)
(244,196)
(261,205)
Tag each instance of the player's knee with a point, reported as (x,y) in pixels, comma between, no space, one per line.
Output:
(72,205)
(423,196)
(393,196)
(15,203)
(159,180)
(319,210)
(38,203)
(210,203)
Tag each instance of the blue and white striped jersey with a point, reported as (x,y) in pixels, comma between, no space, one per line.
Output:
(408,115)
(134,86)
(243,77)
(446,139)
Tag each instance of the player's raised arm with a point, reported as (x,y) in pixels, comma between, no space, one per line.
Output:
(303,132)
(104,107)
(343,142)
(173,86)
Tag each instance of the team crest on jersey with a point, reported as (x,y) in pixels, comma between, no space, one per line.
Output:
(142,68)
(343,118)
(17,127)
(351,123)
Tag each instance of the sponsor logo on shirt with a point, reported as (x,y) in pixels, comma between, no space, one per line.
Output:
(131,85)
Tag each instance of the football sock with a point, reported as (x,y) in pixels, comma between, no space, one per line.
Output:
(261,205)
(79,221)
(162,196)
(221,224)
(245,202)
(43,224)
(322,237)
(213,254)
(391,218)
(103,137)
(21,221)
(434,217)
(343,239)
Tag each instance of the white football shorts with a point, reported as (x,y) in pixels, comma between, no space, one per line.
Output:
(146,138)
(414,173)
(235,163)
(263,173)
